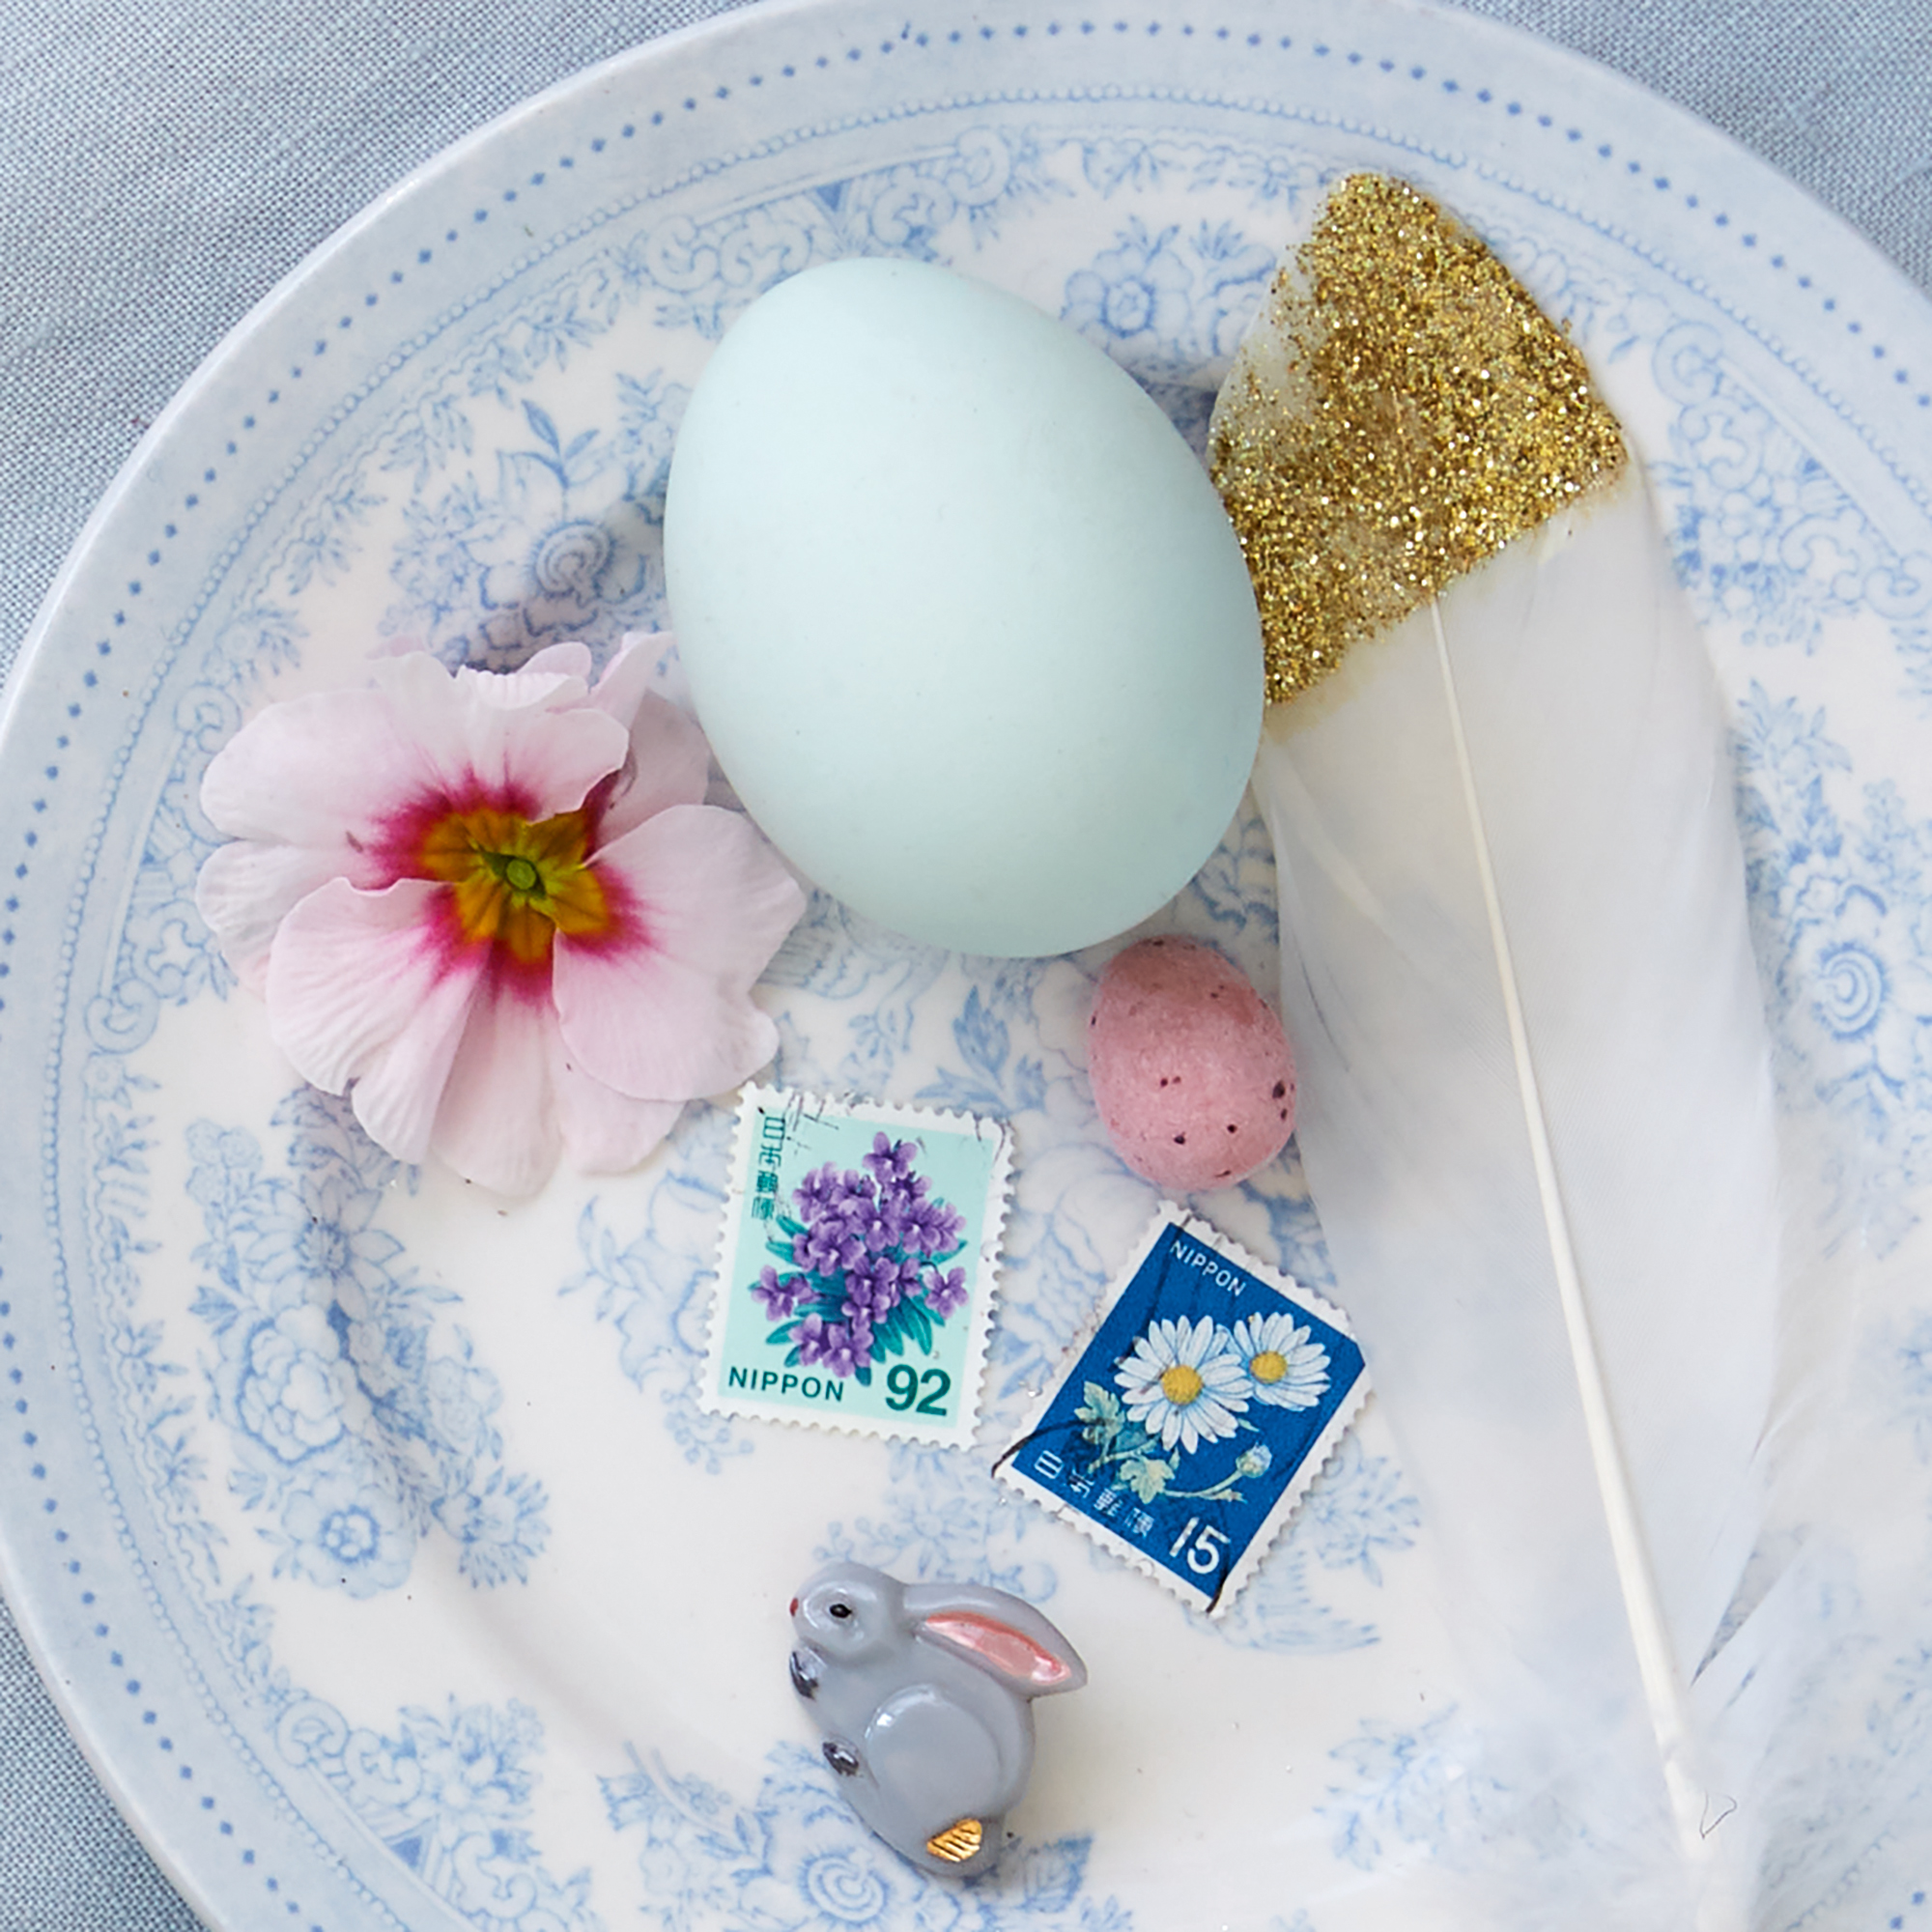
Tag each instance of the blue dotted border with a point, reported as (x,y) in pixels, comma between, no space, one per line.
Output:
(117,1659)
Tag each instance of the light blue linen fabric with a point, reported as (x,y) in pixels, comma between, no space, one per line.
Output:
(162,166)
(1837,94)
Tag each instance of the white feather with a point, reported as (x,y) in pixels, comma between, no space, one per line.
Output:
(1537,1125)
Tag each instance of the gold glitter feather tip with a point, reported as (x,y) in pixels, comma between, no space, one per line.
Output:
(1400,411)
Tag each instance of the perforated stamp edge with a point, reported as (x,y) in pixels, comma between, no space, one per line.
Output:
(739,1237)
(1315,1459)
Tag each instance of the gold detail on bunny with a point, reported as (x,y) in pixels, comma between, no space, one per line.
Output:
(957,1842)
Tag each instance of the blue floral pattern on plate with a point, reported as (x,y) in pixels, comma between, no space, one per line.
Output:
(352,1430)
(360,1517)
(448,1795)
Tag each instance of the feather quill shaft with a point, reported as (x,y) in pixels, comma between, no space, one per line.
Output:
(1663,1691)
(1536,1115)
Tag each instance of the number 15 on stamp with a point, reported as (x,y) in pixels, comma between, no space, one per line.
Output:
(1187,1431)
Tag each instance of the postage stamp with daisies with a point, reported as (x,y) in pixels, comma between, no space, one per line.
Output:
(855,1278)
(1184,1432)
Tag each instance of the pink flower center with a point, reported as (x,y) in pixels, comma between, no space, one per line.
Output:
(517,883)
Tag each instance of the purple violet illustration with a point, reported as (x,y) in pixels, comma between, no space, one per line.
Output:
(859,1265)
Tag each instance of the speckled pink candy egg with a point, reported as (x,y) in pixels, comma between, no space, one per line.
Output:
(1191,1071)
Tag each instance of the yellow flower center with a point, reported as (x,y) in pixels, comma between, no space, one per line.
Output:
(1181,1384)
(1269,1366)
(517,881)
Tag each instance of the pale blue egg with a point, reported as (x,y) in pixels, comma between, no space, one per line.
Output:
(963,616)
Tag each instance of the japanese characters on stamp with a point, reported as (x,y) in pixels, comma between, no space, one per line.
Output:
(1185,1430)
(856,1266)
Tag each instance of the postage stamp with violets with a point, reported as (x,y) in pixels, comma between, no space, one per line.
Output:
(1184,1434)
(856,1267)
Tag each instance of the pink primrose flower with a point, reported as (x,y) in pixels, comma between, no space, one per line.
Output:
(494,909)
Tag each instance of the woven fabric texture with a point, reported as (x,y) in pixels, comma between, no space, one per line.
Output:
(166,165)
(68,1863)
(162,166)
(1837,95)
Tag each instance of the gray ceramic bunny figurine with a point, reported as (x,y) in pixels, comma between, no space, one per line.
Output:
(925,1693)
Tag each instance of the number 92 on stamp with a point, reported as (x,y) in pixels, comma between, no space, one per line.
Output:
(856,1266)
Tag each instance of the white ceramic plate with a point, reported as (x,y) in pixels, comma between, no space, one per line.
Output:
(369,1531)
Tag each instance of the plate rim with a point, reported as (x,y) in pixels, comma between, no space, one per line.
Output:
(33,668)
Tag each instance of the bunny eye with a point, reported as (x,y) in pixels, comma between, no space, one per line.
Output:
(840,1610)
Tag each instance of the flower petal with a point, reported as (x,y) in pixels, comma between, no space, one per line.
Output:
(331,770)
(245,888)
(669,763)
(568,658)
(361,987)
(629,673)
(503,734)
(660,1006)
(604,1130)
(312,771)
(495,1123)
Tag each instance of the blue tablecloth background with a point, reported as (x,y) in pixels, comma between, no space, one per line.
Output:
(164,166)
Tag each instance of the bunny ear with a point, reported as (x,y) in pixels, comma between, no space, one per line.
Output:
(1003,1635)
(1001,1648)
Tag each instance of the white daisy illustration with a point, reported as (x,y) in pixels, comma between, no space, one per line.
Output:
(1285,1366)
(1183,1382)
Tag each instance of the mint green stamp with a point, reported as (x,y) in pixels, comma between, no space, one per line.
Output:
(856,1269)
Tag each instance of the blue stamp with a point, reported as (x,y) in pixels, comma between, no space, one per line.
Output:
(1185,1432)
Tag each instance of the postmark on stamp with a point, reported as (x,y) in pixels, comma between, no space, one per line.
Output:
(856,1267)
(1185,1430)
